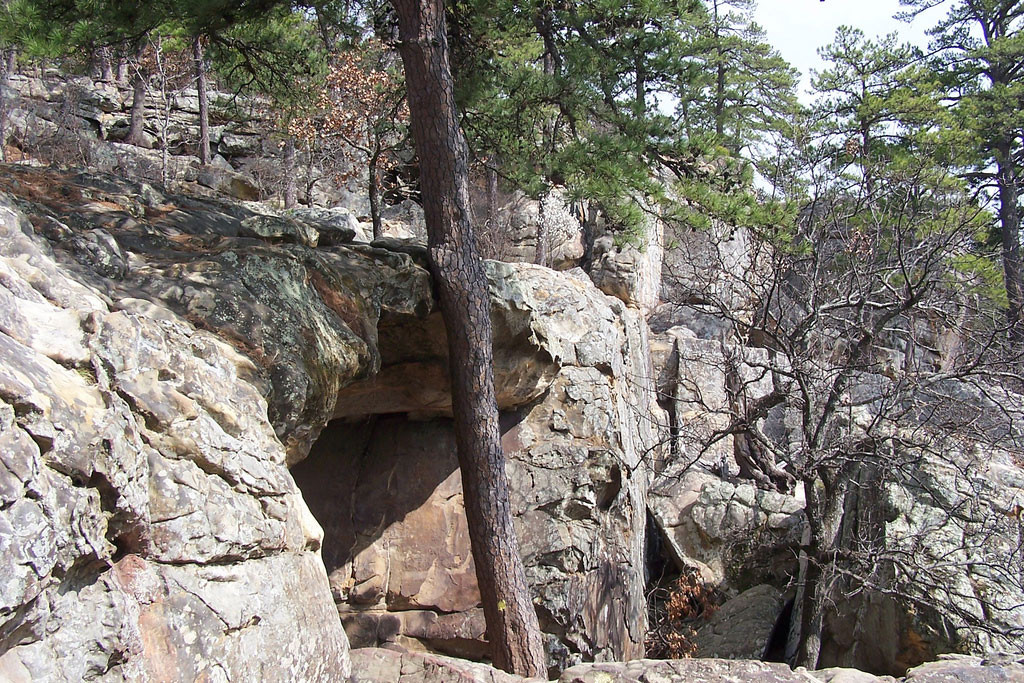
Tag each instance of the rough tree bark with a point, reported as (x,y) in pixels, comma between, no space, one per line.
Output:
(137,121)
(1009,232)
(290,186)
(512,626)
(204,105)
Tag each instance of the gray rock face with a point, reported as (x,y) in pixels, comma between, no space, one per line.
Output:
(958,587)
(304,326)
(741,628)
(148,525)
(686,671)
(385,666)
(373,665)
(632,271)
(307,318)
(80,122)
(734,533)
(949,522)
(522,220)
(716,269)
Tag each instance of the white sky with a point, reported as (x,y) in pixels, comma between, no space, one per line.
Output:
(797,28)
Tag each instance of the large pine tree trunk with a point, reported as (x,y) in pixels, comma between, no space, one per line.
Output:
(204,105)
(1009,229)
(512,626)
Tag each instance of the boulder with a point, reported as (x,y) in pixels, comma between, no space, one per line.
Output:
(522,220)
(404,220)
(148,523)
(742,627)
(386,666)
(714,271)
(629,266)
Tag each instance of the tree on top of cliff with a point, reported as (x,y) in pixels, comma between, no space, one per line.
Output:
(979,53)
(361,106)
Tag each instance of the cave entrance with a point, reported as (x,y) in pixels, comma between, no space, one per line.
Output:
(387,491)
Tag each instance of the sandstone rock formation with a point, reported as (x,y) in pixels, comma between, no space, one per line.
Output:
(149,527)
(166,360)
(348,331)
(380,666)
(75,121)
(573,386)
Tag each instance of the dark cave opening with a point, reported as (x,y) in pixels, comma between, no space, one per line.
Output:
(775,650)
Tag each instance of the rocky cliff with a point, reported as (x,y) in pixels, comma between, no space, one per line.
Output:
(223,426)
(167,360)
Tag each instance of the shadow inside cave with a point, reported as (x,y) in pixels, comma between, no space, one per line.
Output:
(363,476)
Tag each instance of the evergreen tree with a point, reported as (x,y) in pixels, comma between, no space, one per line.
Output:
(872,100)
(979,50)
(737,87)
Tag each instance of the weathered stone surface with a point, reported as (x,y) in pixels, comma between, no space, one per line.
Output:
(631,271)
(306,318)
(965,669)
(735,534)
(404,220)
(373,665)
(741,628)
(522,219)
(685,671)
(541,321)
(79,122)
(715,271)
(958,587)
(227,182)
(149,528)
(335,226)
(384,666)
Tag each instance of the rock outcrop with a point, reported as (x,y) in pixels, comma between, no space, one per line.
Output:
(182,377)
(573,386)
(385,666)
(149,526)
(76,121)
(227,339)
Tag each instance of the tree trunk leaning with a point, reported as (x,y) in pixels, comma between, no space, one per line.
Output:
(204,105)
(512,627)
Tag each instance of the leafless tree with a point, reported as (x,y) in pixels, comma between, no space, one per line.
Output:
(881,343)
